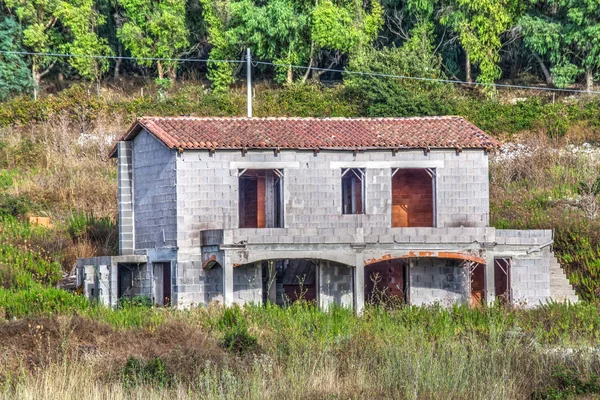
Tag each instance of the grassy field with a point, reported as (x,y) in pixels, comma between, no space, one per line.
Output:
(300,352)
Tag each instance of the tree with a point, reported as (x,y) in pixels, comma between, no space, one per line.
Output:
(55,26)
(82,19)
(216,15)
(344,27)
(14,72)
(277,31)
(386,96)
(479,25)
(567,34)
(155,29)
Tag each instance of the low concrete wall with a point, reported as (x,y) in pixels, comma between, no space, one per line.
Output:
(247,284)
(335,285)
(438,281)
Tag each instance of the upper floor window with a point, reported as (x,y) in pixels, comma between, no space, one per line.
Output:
(413,197)
(261,198)
(353,191)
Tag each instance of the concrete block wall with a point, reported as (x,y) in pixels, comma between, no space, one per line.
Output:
(247,284)
(530,280)
(438,281)
(530,273)
(207,189)
(335,285)
(99,279)
(125,176)
(154,188)
(142,280)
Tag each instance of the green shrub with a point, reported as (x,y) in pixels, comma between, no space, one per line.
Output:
(567,383)
(133,302)
(39,300)
(15,206)
(236,337)
(154,372)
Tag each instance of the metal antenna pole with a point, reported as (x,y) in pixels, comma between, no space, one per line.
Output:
(249,81)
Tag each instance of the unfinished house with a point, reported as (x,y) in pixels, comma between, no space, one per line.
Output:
(335,211)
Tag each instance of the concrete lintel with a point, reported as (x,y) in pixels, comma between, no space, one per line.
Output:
(387,164)
(108,260)
(255,254)
(264,165)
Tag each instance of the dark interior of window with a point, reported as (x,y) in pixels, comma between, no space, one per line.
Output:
(260,204)
(353,193)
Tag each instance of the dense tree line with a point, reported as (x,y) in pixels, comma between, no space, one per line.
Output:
(555,42)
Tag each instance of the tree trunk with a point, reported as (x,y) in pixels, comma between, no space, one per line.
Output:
(468,68)
(290,75)
(545,71)
(118,62)
(173,73)
(161,73)
(35,74)
(589,79)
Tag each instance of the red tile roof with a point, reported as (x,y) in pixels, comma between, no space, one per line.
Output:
(313,133)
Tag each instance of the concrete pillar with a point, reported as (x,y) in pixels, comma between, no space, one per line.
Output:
(359,284)
(126,210)
(490,284)
(227,280)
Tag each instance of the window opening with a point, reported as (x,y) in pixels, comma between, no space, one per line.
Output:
(353,191)
(502,279)
(260,198)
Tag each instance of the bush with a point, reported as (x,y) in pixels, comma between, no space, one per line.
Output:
(39,300)
(154,372)
(236,337)
(567,383)
(133,302)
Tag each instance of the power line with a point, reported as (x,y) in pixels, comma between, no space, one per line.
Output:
(341,71)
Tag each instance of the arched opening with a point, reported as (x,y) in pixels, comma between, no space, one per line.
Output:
(426,278)
(287,281)
(386,282)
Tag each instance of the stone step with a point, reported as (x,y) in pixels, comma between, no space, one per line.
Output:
(560,288)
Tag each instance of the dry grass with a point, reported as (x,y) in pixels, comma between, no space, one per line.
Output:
(62,164)
(302,354)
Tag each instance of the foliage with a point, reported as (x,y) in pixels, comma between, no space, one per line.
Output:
(564,32)
(236,337)
(154,372)
(566,383)
(479,24)
(14,74)
(39,300)
(155,29)
(387,96)
(62,26)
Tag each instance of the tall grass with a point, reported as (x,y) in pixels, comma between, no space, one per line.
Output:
(303,353)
